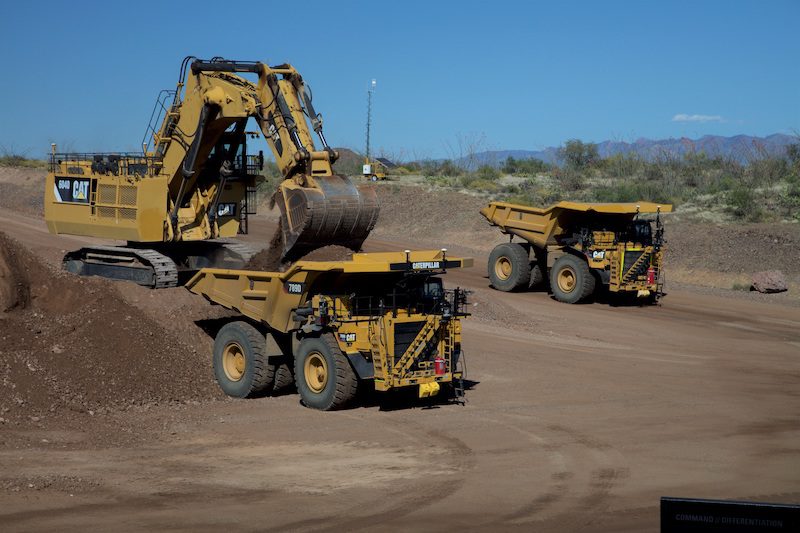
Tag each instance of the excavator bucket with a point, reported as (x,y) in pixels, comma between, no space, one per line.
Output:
(335,212)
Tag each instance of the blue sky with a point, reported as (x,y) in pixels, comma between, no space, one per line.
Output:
(500,75)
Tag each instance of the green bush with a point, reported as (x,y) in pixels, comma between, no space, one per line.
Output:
(569,179)
(767,171)
(482,185)
(16,160)
(525,167)
(632,192)
(743,204)
(487,173)
(439,181)
(449,169)
(578,155)
(621,165)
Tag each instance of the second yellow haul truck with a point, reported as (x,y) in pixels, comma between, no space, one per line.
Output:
(579,246)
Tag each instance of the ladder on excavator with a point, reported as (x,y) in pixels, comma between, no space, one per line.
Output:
(157,140)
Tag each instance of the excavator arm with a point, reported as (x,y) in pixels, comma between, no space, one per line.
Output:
(317,206)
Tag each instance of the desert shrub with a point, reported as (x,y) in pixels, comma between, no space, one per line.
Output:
(439,181)
(621,165)
(482,185)
(525,167)
(569,179)
(743,205)
(444,168)
(653,172)
(8,159)
(449,169)
(487,173)
(632,191)
(578,155)
(790,200)
(536,197)
(793,153)
(767,171)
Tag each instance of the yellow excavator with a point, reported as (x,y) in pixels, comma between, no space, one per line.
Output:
(179,201)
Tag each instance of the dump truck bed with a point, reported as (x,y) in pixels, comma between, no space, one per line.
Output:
(540,226)
(271,297)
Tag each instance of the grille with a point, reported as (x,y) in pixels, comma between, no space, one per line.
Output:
(106,194)
(404,335)
(127,195)
(630,260)
(107,212)
(126,213)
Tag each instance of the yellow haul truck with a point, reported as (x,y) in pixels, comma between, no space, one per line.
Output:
(380,317)
(577,245)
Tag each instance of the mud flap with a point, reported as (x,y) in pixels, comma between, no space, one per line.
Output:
(335,213)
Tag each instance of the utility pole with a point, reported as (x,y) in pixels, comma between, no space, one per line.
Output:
(369,110)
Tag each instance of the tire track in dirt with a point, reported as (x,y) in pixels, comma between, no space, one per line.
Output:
(406,500)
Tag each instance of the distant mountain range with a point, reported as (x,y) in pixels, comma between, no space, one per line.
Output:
(740,147)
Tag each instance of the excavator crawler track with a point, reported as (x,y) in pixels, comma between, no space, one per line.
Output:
(141,265)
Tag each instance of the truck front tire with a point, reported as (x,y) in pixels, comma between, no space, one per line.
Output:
(324,377)
(570,279)
(509,267)
(240,360)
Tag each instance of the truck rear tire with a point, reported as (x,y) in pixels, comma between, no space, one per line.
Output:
(324,377)
(240,360)
(284,378)
(537,277)
(509,267)
(571,280)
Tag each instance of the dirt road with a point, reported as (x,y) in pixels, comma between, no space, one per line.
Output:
(580,418)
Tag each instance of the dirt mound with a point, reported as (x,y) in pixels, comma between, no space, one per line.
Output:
(434,218)
(22,189)
(744,248)
(269,259)
(78,347)
(14,288)
(329,253)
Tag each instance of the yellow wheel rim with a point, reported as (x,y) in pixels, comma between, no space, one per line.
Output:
(233,362)
(502,267)
(316,372)
(567,279)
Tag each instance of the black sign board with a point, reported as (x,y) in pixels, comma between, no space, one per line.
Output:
(684,515)
(425,265)
(74,190)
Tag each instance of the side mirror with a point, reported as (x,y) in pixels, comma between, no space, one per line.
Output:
(261,160)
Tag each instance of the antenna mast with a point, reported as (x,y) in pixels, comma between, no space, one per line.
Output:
(369,110)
